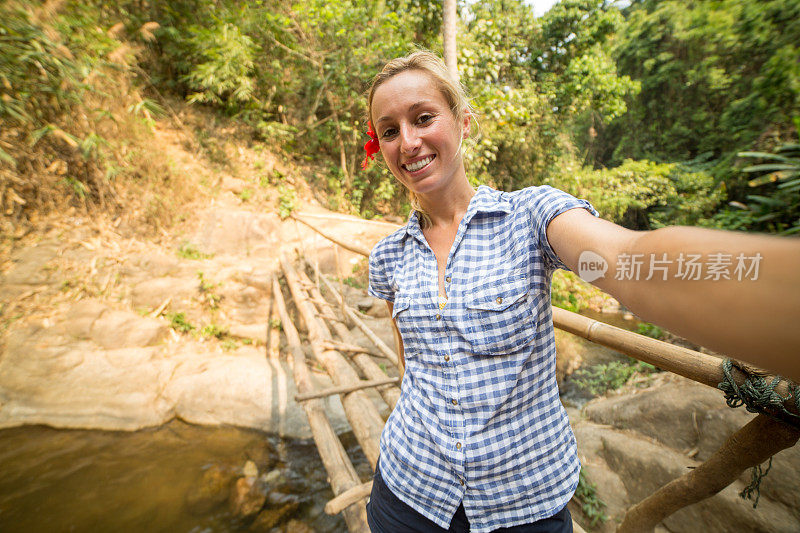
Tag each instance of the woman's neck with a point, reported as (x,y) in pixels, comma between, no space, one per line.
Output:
(447,207)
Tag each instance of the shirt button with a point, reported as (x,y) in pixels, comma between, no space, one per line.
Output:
(461,481)
(447,279)
(454,402)
(499,300)
(458,445)
(446,357)
(438,316)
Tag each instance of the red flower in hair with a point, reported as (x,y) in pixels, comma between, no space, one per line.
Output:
(372,147)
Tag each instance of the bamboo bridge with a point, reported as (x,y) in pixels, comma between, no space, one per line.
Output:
(333,347)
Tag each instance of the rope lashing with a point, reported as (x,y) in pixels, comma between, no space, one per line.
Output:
(757,395)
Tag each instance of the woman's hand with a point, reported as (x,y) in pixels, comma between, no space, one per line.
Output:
(733,292)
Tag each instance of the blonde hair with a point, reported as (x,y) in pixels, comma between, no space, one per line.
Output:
(452,90)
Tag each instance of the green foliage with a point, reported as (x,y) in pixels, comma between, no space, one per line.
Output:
(598,379)
(223,62)
(246,194)
(650,330)
(644,194)
(213,330)
(778,207)
(286,199)
(190,251)
(206,288)
(570,292)
(592,506)
(178,322)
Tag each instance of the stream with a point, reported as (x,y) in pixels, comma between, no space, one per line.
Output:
(179,477)
(153,480)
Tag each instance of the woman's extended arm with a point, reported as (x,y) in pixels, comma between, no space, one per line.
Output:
(398,341)
(735,293)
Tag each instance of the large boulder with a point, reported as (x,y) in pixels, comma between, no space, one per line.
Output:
(634,442)
(90,366)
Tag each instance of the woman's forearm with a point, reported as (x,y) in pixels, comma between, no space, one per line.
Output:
(735,293)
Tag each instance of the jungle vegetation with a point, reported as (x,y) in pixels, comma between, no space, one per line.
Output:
(658,112)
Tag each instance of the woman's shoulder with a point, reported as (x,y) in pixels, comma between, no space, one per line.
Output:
(389,245)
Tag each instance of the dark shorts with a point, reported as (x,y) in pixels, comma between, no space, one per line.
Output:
(386,513)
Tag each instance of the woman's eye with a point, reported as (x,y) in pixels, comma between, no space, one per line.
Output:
(388,132)
(424,119)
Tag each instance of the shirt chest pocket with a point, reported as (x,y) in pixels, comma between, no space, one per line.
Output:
(499,315)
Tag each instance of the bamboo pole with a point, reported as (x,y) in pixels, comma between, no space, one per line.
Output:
(348,498)
(362,414)
(330,391)
(700,367)
(352,348)
(341,473)
(347,246)
(371,335)
(750,446)
(389,393)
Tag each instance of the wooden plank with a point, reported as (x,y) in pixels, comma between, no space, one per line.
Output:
(337,464)
(697,366)
(389,393)
(330,391)
(362,414)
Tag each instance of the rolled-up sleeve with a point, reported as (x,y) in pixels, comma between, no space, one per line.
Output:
(544,203)
(379,283)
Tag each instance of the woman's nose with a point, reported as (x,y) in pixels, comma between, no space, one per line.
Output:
(409,140)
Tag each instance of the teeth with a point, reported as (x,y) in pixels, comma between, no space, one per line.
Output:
(413,167)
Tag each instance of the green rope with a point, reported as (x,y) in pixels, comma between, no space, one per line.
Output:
(756,475)
(757,395)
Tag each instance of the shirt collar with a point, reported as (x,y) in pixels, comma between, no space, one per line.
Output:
(485,200)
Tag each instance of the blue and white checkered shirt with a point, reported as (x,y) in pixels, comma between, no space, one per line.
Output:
(479,419)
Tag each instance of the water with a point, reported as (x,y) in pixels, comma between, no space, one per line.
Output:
(75,480)
(80,480)
(594,354)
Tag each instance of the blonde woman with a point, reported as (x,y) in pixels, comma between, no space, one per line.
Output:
(479,440)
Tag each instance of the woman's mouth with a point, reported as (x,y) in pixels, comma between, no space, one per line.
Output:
(419,165)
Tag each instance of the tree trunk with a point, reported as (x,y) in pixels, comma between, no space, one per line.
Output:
(449,17)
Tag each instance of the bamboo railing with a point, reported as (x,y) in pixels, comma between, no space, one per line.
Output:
(746,448)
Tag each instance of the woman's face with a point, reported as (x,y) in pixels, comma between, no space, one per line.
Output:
(419,137)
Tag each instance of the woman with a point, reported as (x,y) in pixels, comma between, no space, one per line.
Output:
(479,440)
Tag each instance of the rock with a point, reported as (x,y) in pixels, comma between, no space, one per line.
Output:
(270,518)
(378,309)
(296,526)
(212,490)
(263,455)
(644,466)
(121,329)
(633,443)
(47,378)
(249,331)
(250,471)
(246,498)
(695,414)
(151,265)
(273,476)
(363,303)
(236,232)
(568,354)
(276,498)
(151,293)
(234,185)
(30,265)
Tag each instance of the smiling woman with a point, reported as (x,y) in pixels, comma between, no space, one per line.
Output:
(479,440)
